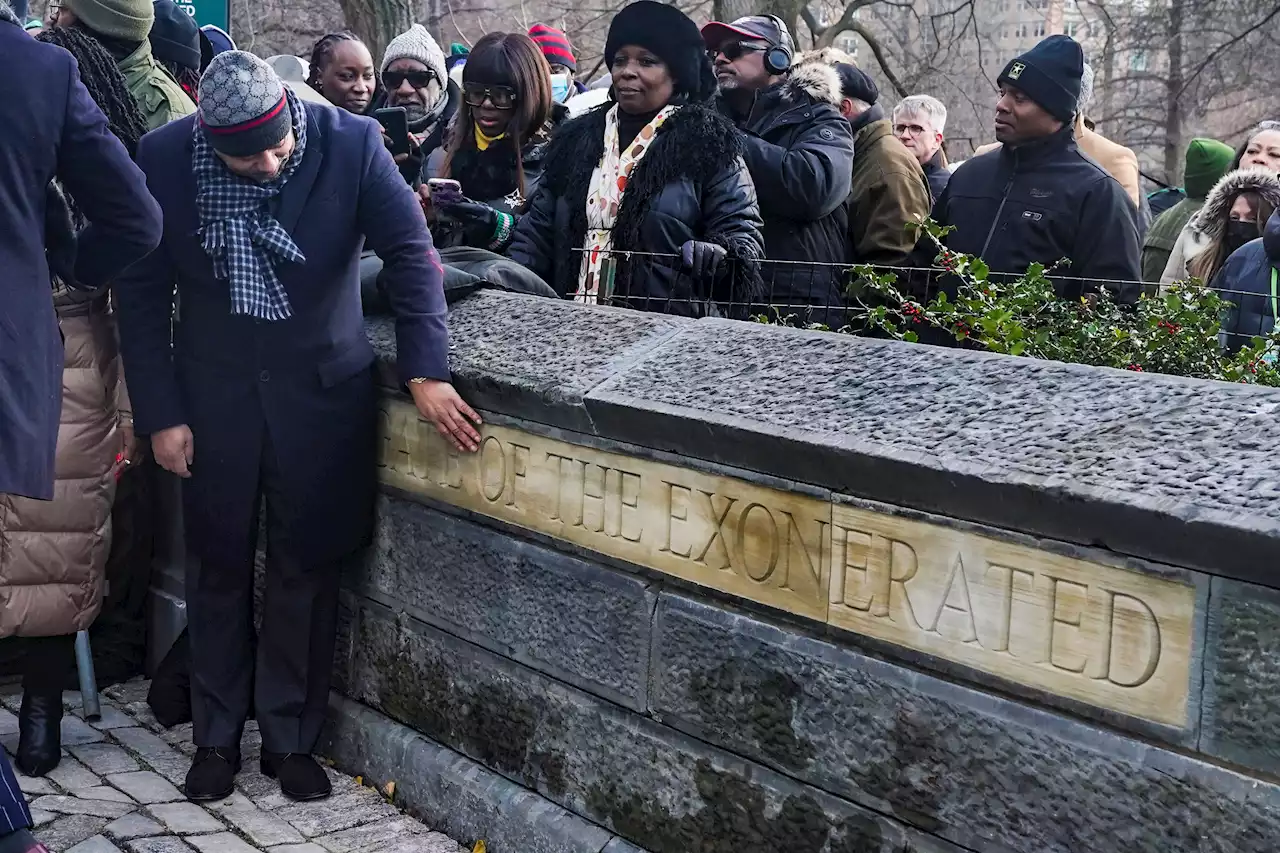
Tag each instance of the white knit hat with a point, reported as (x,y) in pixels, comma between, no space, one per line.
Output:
(417,44)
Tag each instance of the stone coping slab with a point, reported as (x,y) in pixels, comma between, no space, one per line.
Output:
(1174,470)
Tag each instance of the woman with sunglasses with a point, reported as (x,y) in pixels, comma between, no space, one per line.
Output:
(645,201)
(495,145)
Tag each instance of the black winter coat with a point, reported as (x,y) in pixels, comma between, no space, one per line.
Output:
(799,149)
(691,185)
(937,174)
(1245,280)
(1042,202)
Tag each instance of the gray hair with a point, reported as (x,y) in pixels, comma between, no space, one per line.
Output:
(926,105)
(1086,89)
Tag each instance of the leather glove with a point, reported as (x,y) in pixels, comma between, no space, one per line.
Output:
(478,221)
(703,260)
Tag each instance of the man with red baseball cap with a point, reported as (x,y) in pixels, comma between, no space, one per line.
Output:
(799,150)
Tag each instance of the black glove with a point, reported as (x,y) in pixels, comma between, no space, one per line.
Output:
(703,260)
(478,221)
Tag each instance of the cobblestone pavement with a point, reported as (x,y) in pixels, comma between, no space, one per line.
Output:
(117,790)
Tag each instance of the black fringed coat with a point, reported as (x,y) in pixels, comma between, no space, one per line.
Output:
(691,185)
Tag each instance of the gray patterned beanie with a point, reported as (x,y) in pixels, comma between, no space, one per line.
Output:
(243,107)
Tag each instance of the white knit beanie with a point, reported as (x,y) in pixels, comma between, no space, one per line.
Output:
(417,44)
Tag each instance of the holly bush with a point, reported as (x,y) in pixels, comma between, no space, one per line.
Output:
(1177,332)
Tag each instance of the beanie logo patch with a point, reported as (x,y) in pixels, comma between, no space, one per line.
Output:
(1015,70)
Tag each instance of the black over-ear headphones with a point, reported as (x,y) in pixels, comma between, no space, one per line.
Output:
(777,59)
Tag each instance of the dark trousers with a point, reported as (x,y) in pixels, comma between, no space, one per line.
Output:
(47,662)
(295,645)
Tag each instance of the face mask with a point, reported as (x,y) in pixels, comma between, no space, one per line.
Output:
(1239,233)
(560,87)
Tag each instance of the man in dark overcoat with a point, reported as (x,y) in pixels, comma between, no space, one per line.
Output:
(266,392)
(51,128)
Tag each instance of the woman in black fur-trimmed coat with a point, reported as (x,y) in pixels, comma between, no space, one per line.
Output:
(688,209)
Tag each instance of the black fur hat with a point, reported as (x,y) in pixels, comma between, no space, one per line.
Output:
(672,36)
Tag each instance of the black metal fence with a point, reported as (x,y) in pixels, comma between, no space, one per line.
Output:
(810,293)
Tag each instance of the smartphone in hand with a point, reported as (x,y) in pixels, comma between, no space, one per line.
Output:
(444,190)
(395,124)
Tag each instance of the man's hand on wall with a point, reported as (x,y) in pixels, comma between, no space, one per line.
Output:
(174,449)
(439,403)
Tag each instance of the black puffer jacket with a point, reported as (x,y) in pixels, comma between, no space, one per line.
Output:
(1039,203)
(800,153)
(1245,280)
(691,185)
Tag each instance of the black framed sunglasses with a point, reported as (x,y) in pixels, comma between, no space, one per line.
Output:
(502,97)
(417,79)
(735,50)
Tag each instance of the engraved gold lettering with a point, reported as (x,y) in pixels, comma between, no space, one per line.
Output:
(630,519)
(856,550)
(594,480)
(559,482)
(751,538)
(717,518)
(961,627)
(1064,611)
(493,469)
(518,464)
(677,510)
(1004,619)
(813,562)
(1134,618)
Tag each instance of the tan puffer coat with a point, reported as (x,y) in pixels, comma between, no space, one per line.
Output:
(53,553)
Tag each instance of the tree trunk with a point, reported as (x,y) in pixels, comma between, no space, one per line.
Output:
(1174,82)
(377,22)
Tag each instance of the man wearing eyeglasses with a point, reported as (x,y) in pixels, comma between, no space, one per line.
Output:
(413,73)
(919,122)
(799,150)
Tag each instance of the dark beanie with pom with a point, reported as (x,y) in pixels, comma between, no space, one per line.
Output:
(1049,74)
(670,35)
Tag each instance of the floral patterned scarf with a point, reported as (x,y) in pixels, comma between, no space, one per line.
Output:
(604,198)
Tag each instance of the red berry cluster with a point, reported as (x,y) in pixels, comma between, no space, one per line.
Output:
(913,313)
(1171,328)
(1136,367)
(948,261)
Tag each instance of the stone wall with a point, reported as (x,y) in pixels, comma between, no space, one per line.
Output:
(712,586)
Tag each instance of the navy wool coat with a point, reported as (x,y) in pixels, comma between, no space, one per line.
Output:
(49,127)
(302,387)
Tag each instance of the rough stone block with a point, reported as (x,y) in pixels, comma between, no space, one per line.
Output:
(649,784)
(146,787)
(1153,466)
(96,844)
(66,832)
(104,758)
(452,792)
(527,357)
(574,619)
(1241,720)
(185,818)
(976,769)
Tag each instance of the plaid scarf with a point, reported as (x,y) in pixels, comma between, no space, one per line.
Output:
(237,230)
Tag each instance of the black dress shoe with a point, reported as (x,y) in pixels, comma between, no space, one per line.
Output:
(213,774)
(301,778)
(39,732)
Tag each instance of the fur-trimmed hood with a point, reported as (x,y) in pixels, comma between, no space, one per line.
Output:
(814,75)
(7,14)
(1211,220)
